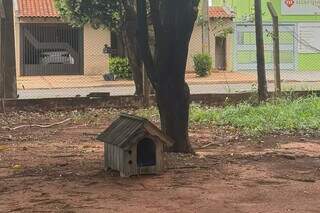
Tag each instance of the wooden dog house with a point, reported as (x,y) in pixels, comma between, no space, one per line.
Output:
(134,146)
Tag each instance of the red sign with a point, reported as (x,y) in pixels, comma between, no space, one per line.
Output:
(289,3)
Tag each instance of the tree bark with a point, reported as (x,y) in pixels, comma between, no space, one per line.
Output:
(262,80)
(117,43)
(173,104)
(2,74)
(129,32)
(173,23)
(135,65)
(7,54)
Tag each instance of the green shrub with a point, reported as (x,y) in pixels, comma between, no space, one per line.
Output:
(120,68)
(202,64)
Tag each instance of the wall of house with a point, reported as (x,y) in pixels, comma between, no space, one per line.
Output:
(95,61)
(195,45)
(217,28)
(245,8)
(17,22)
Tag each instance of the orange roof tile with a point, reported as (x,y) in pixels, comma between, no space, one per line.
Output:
(37,9)
(46,9)
(220,12)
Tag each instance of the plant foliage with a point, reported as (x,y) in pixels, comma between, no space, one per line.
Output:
(202,64)
(282,116)
(120,68)
(96,12)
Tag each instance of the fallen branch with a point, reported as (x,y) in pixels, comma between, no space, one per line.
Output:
(6,138)
(66,156)
(90,134)
(298,179)
(38,125)
(188,167)
(207,145)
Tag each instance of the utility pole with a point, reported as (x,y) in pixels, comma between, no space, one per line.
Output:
(205,27)
(7,52)
(262,81)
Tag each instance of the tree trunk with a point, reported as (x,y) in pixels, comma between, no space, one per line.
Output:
(131,43)
(173,104)
(135,66)
(262,80)
(173,23)
(8,64)
(117,43)
(2,74)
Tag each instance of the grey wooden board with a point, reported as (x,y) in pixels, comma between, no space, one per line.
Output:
(123,131)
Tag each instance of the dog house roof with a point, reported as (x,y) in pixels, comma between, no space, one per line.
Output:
(128,130)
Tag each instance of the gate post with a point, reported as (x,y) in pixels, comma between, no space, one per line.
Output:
(276,49)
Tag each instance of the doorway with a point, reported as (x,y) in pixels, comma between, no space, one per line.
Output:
(146,153)
(220,53)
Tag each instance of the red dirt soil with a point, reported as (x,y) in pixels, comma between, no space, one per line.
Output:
(60,169)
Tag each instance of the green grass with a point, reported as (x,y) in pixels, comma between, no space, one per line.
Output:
(281,116)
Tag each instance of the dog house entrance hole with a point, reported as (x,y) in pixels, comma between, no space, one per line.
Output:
(146,153)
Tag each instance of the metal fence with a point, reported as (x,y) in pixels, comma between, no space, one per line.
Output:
(54,60)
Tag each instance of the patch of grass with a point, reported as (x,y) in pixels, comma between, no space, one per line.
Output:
(280,116)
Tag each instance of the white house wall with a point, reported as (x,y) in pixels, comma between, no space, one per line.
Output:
(95,61)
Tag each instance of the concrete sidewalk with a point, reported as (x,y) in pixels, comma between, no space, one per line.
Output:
(129,90)
(59,82)
(291,76)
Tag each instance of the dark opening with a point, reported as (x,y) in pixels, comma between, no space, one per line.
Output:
(51,49)
(220,50)
(146,153)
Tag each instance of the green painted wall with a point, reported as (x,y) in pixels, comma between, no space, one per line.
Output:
(309,62)
(243,8)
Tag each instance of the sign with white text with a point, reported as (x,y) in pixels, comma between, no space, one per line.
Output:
(300,7)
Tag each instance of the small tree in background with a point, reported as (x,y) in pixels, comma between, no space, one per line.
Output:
(112,15)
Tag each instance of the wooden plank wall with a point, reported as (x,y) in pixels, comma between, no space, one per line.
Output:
(118,159)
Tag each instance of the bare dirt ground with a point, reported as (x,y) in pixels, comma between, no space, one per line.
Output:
(60,169)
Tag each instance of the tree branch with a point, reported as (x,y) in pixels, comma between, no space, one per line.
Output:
(155,16)
(143,39)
